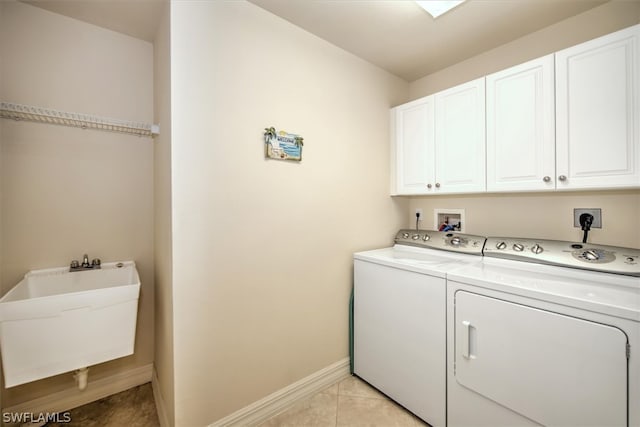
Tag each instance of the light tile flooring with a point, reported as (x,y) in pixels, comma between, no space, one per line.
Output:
(352,402)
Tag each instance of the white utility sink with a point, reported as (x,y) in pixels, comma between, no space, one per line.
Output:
(55,321)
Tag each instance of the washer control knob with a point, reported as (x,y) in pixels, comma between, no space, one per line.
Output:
(590,255)
(518,247)
(537,249)
(501,245)
(426,237)
(415,236)
(405,235)
(455,241)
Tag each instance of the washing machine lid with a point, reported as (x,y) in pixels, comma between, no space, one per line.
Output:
(418,259)
(606,293)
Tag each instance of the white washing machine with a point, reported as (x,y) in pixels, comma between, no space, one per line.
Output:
(555,345)
(400,316)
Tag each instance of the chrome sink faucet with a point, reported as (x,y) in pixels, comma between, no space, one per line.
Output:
(76,266)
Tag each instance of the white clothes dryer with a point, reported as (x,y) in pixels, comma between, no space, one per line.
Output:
(530,344)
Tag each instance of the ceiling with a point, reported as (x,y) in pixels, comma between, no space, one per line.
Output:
(402,38)
(136,18)
(395,35)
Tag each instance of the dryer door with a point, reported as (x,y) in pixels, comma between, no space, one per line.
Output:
(551,368)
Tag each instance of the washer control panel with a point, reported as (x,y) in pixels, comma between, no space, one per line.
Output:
(587,256)
(444,240)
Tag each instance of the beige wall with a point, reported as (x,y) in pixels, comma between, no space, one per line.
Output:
(262,249)
(163,307)
(66,191)
(541,215)
(593,23)
(1,139)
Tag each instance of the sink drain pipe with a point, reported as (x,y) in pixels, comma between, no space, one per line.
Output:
(81,376)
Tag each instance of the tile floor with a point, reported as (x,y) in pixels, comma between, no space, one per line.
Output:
(351,402)
(132,408)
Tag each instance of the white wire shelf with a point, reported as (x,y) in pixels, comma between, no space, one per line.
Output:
(45,115)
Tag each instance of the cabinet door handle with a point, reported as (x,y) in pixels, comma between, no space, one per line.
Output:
(562,178)
(429,185)
(468,340)
(437,185)
(546,178)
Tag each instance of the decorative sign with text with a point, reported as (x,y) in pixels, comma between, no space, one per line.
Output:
(282,145)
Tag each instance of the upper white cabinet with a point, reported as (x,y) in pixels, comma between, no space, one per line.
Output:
(437,143)
(565,121)
(598,112)
(521,127)
(460,138)
(412,147)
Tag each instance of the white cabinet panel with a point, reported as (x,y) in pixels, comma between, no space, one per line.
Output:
(460,138)
(551,368)
(521,127)
(598,112)
(400,337)
(589,138)
(412,145)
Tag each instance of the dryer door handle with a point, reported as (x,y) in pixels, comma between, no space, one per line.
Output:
(468,340)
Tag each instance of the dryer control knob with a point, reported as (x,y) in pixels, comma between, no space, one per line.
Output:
(455,241)
(405,235)
(537,249)
(590,255)
(518,247)
(415,236)
(501,245)
(426,237)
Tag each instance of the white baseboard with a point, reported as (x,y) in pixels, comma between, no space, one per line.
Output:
(282,399)
(161,408)
(96,389)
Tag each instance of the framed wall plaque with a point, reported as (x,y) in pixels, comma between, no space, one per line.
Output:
(282,145)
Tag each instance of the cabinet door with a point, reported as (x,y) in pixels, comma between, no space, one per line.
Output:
(460,138)
(412,147)
(598,112)
(521,127)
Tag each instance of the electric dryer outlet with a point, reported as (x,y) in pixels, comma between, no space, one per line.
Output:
(597,216)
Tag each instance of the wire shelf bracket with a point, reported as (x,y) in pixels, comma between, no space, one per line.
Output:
(84,121)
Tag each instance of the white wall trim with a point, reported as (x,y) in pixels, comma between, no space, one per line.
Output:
(96,390)
(284,398)
(161,408)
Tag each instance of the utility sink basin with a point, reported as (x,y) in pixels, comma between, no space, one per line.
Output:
(55,321)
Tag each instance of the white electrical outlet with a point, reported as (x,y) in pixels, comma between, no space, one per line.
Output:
(419,212)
